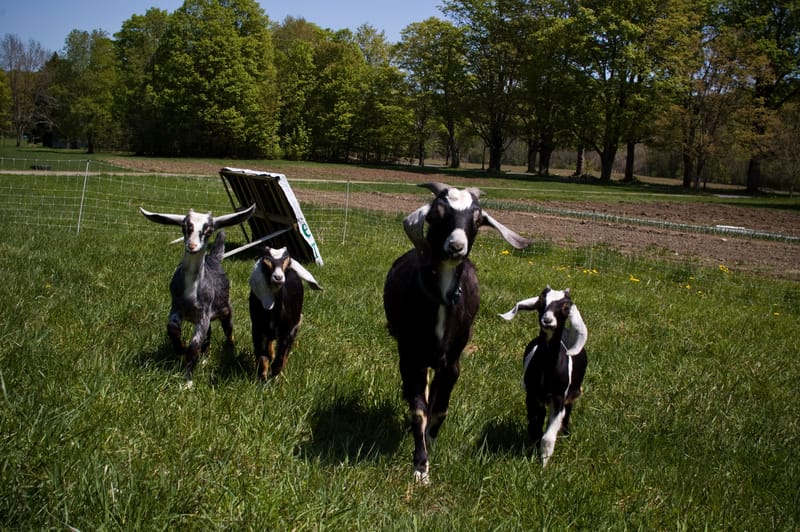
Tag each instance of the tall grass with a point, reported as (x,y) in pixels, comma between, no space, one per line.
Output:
(688,419)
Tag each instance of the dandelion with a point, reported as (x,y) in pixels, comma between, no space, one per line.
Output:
(688,287)
(776,313)
(724,269)
(505,252)
(633,279)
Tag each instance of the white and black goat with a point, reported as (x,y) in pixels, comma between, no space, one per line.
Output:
(554,364)
(276,308)
(199,287)
(430,299)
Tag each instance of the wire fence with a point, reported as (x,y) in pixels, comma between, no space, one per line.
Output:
(83,196)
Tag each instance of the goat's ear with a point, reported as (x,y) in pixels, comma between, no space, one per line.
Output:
(165,219)
(414,225)
(234,218)
(305,275)
(525,304)
(575,333)
(510,236)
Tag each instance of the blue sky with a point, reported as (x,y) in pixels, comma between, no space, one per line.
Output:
(49,21)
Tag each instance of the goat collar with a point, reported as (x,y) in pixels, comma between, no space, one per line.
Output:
(452,297)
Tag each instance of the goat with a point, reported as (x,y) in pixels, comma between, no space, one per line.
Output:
(276,305)
(430,299)
(554,365)
(199,287)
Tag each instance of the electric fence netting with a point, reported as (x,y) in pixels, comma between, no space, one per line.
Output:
(80,196)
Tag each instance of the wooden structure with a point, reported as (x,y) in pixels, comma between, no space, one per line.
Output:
(278,217)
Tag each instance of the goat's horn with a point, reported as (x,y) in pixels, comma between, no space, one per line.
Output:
(525,304)
(414,225)
(165,219)
(305,274)
(575,333)
(435,187)
(234,218)
(510,236)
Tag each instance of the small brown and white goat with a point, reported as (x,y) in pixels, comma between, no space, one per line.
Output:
(276,308)
(199,287)
(554,365)
(430,298)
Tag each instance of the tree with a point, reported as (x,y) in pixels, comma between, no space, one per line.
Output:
(296,42)
(622,56)
(214,80)
(136,45)
(22,65)
(494,32)
(432,53)
(84,85)
(774,29)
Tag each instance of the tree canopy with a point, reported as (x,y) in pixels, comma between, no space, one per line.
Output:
(704,82)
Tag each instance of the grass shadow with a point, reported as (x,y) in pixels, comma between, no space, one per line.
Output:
(503,436)
(346,430)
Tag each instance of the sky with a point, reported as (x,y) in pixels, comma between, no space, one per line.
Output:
(49,21)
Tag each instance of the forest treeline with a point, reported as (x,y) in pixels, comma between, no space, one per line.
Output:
(714,87)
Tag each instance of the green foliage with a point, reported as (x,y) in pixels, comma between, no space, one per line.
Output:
(687,419)
(214,80)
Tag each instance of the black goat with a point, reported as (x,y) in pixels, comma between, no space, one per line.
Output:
(554,365)
(430,299)
(199,287)
(276,306)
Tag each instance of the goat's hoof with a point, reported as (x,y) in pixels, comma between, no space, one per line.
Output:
(422,478)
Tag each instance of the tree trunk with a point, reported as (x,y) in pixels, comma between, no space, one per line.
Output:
(533,148)
(754,175)
(579,161)
(607,163)
(495,143)
(546,153)
(688,167)
(452,145)
(629,162)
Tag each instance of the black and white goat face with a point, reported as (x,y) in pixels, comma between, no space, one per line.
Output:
(557,312)
(453,217)
(269,275)
(274,264)
(197,228)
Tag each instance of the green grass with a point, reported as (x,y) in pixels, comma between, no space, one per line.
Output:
(688,419)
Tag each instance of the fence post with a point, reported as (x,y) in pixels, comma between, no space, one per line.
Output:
(346,209)
(83,196)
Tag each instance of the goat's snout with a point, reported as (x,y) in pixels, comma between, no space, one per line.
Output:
(456,246)
(277,278)
(549,320)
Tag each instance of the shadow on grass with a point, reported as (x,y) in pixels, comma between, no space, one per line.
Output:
(503,436)
(221,364)
(346,430)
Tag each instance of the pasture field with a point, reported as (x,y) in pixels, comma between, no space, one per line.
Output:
(688,419)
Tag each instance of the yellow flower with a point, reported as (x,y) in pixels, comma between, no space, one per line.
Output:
(633,279)
(505,252)
(724,269)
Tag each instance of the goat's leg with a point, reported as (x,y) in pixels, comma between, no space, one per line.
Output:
(282,353)
(194,349)
(415,383)
(174,333)
(226,320)
(265,353)
(548,443)
(439,398)
(565,422)
(536,412)
(206,345)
